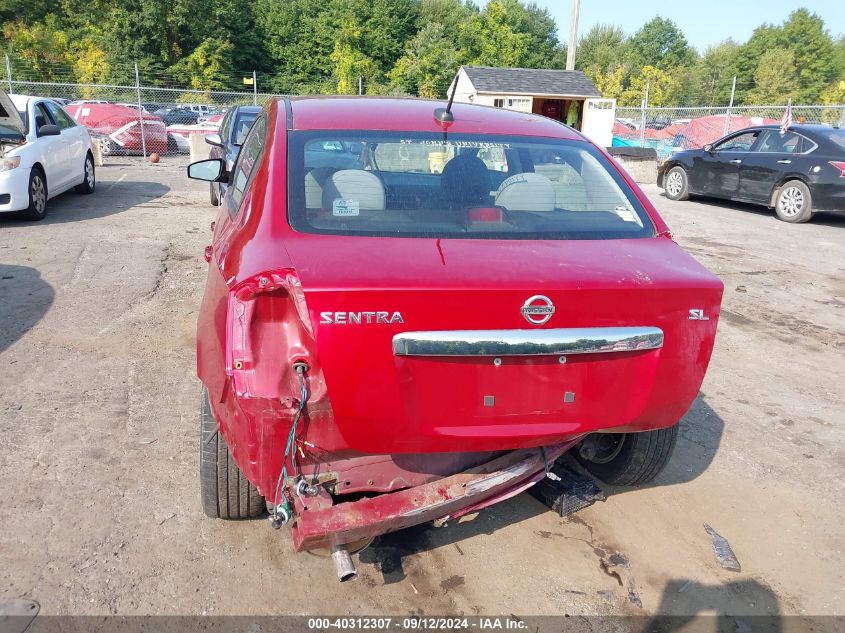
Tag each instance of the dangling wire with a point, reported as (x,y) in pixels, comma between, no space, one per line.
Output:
(282,481)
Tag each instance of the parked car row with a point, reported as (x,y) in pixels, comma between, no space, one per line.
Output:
(796,171)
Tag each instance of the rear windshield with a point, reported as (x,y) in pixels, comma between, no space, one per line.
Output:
(412,184)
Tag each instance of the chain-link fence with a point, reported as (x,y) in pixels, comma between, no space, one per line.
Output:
(139,118)
(674,129)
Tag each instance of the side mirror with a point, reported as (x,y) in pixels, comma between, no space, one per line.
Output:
(49,130)
(708,148)
(211,170)
(214,139)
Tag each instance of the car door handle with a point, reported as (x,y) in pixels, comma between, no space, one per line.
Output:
(785,162)
(736,161)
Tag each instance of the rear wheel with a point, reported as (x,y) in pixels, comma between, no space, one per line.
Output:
(676,184)
(794,203)
(37,209)
(226,493)
(628,459)
(89,180)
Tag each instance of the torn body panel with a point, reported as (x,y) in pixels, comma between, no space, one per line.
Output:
(467,491)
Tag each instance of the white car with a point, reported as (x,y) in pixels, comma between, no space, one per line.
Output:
(43,152)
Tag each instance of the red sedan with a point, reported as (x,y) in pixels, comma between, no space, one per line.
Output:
(410,315)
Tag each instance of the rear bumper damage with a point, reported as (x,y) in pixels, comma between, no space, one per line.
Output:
(452,496)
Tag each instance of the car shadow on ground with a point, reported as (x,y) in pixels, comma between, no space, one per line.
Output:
(740,605)
(825,218)
(700,435)
(110,197)
(24,299)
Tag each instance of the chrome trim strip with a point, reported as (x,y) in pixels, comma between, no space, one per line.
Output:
(561,341)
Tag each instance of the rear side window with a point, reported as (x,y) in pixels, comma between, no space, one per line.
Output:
(413,184)
(248,159)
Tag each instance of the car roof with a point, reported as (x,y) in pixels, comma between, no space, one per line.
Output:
(410,114)
(20,101)
(796,127)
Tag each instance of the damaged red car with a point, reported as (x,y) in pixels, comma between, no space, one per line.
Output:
(411,313)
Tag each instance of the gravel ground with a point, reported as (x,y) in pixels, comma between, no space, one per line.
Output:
(98,415)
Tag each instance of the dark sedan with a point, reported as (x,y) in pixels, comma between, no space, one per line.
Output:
(227,142)
(176,116)
(796,173)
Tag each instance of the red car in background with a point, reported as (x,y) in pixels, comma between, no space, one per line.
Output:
(418,334)
(118,127)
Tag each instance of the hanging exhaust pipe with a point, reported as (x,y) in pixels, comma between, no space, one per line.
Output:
(343,563)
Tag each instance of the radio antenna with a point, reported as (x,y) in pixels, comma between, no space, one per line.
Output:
(445,116)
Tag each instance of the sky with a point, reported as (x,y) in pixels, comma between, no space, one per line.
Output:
(703,22)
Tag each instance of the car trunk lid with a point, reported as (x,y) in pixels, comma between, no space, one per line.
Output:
(12,128)
(441,354)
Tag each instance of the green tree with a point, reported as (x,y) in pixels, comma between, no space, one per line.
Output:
(429,64)
(206,68)
(602,48)
(350,63)
(709,80)
(812,48)
(508,33)
(450,13)
(611,84)
(815,56)
(39,50)
(661,44)
(774,81)
(663,87)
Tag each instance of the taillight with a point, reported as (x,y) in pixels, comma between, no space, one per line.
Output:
(268,330)
(840,166)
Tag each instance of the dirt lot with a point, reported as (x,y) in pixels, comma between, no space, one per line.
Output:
(98,415)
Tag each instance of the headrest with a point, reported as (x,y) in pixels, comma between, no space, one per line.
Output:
(364,187)
(465,179)
(526,192)
(314,180)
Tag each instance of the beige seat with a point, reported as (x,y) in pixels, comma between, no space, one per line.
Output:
(526,192)
(358,185)
(314,181)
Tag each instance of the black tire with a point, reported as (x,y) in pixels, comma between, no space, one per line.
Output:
(215,201)
(89,176)
(172,145)
(225,492)
(794,203)
(633,458)
(676,183)
(37,209)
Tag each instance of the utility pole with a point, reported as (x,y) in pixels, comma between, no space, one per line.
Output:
(730,105)
(360,86)
(573,36)
(254,88)
(140,111)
